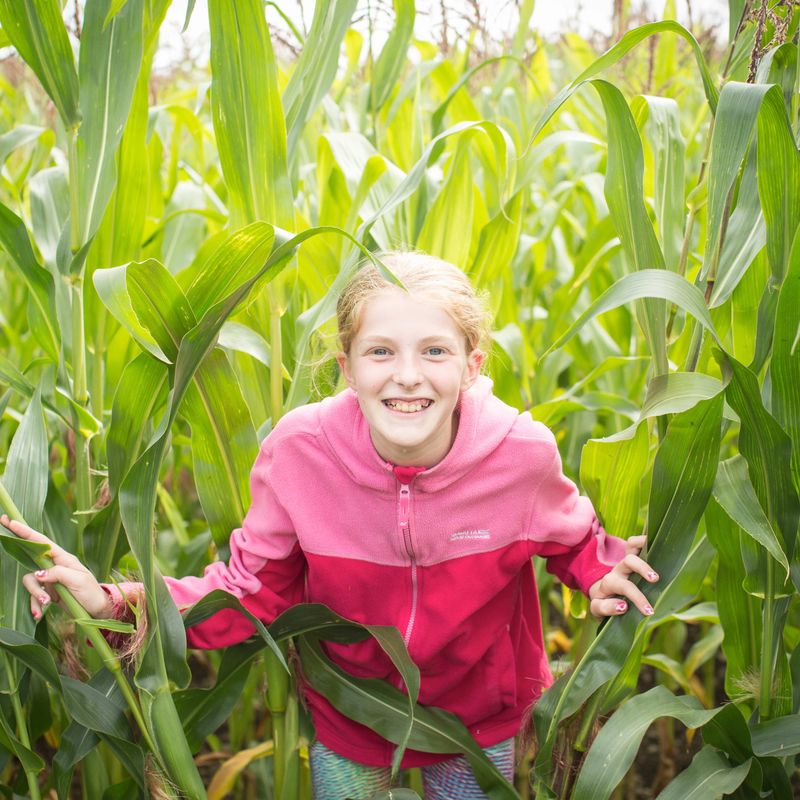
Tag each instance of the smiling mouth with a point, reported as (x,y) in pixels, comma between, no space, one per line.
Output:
(408,407)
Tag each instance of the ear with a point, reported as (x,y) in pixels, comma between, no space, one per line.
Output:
(474,363)
(344,366)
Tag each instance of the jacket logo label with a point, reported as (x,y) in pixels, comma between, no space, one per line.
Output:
(471,534)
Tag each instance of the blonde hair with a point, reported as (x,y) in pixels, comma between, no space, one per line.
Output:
(422,275)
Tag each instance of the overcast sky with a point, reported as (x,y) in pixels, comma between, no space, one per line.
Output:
(550,17)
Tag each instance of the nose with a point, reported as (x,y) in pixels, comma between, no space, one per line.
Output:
(408,372)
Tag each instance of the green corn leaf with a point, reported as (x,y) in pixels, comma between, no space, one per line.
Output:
(377,704)
(114,9)
(623,191)
(785,363)
(709,774)
(646,283)
(77,741)
(682,590)
(112,288)
(159,304)
(202,711)
(49,198)
(615,747)
(683,474)
(778,180)
(735,494)
(221,274)
(739,612)
(110,60)
(17,137)
(745,235)
(238,337)
(677,391)
(94,710)
(617,52)
(25,480)
(122,229)
(778,737)
(437,118)
(107,625)
(139,394)
(30,653)
(219,600)
(497,244)
(24,553)
(14,240)
(224,444)
(669,153)
(728,731)
(248,115)
(393,55)
(316,67)
(767,449)
(36,29)
(611,474)
(741,106)
(30,761)
(451,213)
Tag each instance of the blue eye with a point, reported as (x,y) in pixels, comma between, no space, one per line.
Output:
(436,351)
(379,351)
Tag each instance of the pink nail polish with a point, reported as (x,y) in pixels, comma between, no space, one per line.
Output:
(621,607)
(36,615)
(648,610)
(44,599)
(653,576)
(40,573)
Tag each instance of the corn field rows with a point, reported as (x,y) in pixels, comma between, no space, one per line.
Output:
(169,266)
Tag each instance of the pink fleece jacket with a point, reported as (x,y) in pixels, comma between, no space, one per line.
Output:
(445,558)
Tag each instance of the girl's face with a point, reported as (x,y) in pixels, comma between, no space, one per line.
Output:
(408,364)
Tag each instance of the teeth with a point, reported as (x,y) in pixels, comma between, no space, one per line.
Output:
(408,408)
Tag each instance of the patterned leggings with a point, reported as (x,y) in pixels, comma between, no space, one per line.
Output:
(334,777)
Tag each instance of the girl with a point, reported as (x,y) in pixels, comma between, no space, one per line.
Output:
(413,498)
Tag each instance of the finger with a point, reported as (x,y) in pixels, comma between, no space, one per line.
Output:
(634,594)
(65,559)
(23,531)
(635,544)
(40,598)
(608,607)
(60,573)
(633,564)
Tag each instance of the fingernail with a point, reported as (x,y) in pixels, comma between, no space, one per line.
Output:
(40,573)
(653,576)
(648,610)
(621,607)
(44,599)
(36,615)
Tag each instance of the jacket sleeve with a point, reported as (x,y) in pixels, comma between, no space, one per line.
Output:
(564,528)
(266,568)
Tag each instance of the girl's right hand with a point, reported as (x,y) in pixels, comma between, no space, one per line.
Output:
(67,571)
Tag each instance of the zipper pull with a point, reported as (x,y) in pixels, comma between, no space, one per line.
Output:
(405,495)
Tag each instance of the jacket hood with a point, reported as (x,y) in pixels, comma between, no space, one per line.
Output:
(484,422)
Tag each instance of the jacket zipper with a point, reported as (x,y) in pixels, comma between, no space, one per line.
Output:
(404,518)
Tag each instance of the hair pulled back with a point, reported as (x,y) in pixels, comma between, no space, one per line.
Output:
(423,276)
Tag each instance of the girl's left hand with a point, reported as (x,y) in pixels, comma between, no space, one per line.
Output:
(608,595)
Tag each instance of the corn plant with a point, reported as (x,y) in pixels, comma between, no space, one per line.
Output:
(171,271)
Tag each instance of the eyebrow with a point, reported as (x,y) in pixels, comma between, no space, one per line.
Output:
(426,340)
